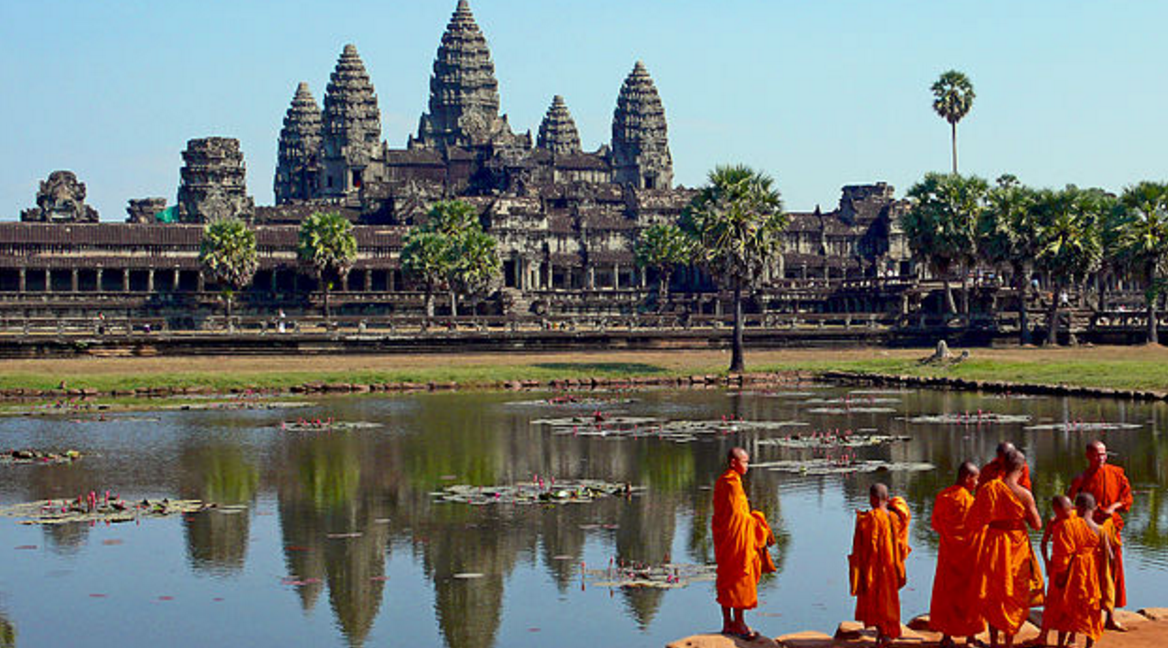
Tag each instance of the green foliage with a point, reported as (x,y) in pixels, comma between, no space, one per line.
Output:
(941,226)
(1069,244)
(663,247)
(1007,228)
(1142,238)
(953,96)
(327,244)
(736,222)
(228,252)
(450,249)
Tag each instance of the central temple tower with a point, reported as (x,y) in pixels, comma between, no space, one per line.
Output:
(350,129)
(464,94)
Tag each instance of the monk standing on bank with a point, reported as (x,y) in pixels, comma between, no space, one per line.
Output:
(1074,566)
(996,469)
(741,537)
(876,565)
(953,611)
(1112,492)
(1007,572)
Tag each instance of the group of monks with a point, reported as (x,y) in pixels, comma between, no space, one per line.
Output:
(988,574)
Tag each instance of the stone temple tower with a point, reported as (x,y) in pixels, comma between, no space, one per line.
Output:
(464,94)
(640,137)
(213,182)
(298,160)
(557,131)
(350,130)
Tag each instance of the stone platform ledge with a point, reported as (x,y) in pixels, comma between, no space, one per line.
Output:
(1147,628)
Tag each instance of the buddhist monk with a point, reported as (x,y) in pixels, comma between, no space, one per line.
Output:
(953,610)
(1007,574)
(1074,566)
(997,468)
(1112,492)
(1063,510)
(741,537)
(879,547)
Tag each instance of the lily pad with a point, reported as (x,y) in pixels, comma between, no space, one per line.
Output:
(535,492)
(969,418)
(844,411)
(622,427)
(666,576)
(39,457)
(843,466)
(317,425)
(1084,426)
(115,510)
(827,440)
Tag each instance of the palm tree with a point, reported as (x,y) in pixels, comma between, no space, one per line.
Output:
(941,225)
(1143,239)
(737,222)
(952,99)
(429,257)
(327,245)
(1007,234)
(477,265)
(229,256)
(663,248)
(450,248)
(1068,242)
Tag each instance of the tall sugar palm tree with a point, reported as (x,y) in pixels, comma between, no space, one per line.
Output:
(1143,240)
(952,100)
(229,256)
(736,221)
(327,245)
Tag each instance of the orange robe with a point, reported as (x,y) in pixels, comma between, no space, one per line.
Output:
(996,469)
(1007,573)
(1109,484)
(1074,566)
(740,535)
(879,547)
(1053,603)
(953,610)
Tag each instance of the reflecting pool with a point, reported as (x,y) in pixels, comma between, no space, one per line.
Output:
(342,540)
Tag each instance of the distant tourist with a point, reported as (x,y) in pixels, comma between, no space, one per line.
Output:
(876,565)
(741,538)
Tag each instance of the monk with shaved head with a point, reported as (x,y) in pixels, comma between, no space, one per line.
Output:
(953,611)
(741,537)
(1007,577)
(1112,492)
(996,469)
(876,565)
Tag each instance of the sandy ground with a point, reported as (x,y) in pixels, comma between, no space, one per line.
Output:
(671,360)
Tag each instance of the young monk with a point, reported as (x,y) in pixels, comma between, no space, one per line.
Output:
(953,610)
(1074,566)
(1052,606)
(1007,571)
(879,547)
(740,538)
(996,468)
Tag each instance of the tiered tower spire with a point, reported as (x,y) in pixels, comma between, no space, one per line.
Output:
(557,131)
(298,160)
(640,136)
(351,128)
(464,94)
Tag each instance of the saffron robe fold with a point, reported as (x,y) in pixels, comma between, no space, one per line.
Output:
(740,535)
(954,609)
(876,565)
(1052,604)
(1109,485)
(1074,566)
(1007,579)
(996,469)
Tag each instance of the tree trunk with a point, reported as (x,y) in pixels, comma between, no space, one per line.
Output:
(328,313)
(429,301)
(1152,296)
(227,298)
(950,303)
(1023,311)
(737,363)
(662,290)
(1052,317)
(965,288)
(453,304)
(954,140)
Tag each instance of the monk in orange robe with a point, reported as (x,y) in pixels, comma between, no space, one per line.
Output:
(1074,566)
(741,537)
(879,547)
(1112,492)
(1063,510)
(996,469)
(1007,574)
(953,610)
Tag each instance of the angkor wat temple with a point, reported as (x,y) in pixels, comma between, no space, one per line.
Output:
(566,219)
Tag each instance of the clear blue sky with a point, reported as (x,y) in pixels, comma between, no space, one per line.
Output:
(818,94)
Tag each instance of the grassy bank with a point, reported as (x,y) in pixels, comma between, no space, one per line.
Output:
(1107,367)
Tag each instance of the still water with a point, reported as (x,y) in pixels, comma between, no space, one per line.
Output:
(342,541)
